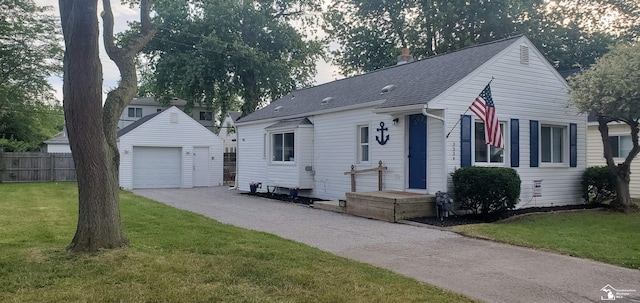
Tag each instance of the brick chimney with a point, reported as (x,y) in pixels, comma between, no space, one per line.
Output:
(405,57)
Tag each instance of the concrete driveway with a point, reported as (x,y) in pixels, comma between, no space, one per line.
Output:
(485,270)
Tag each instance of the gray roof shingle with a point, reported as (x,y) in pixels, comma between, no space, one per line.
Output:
(138,122)
(416,82)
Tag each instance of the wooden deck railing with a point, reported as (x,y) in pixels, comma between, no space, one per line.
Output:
(353,173)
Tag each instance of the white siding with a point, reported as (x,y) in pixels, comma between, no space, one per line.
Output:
(524,92)
(162,132)
(251,161)
(595,154)
(58,148)
(335,151)
(436,159)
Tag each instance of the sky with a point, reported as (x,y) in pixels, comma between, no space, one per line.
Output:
(123,14)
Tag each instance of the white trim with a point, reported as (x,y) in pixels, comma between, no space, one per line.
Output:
(505,138)
(359,126)
(565,144)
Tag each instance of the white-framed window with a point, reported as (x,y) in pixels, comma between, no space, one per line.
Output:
(283,147)
(483,152)
(135,112)
(363,143)
(621,145)
(206,116)
(552,143)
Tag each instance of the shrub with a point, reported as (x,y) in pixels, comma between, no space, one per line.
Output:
(490,191)
(598,184)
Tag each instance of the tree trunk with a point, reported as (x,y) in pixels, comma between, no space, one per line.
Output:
(99,223)
(622,172)
(623,198)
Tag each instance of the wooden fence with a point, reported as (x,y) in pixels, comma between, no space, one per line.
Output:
(229,166)
(36,167)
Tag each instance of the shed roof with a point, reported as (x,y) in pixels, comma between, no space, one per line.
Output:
(138,122)
(407,84)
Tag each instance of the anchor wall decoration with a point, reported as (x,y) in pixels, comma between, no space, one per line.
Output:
(382,139)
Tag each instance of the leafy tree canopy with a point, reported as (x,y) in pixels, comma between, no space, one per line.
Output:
(611,90)
(29,53)
(569,33)
(216,53)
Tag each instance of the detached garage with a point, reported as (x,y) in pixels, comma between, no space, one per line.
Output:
(169,149)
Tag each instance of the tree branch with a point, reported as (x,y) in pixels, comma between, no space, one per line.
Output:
(287,14)
(606,143)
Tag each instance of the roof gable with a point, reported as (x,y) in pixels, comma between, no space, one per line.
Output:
(413,83)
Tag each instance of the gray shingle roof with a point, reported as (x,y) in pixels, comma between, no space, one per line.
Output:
(152,101)
(133,125)
(60,138)
(417,82)
(234,115)
(291,122)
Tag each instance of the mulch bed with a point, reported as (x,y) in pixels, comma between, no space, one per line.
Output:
(285,198)
(454,220)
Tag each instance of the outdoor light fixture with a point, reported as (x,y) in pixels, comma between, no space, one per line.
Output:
(395,121)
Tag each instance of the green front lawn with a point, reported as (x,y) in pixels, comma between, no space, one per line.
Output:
(604,236)
(175,256)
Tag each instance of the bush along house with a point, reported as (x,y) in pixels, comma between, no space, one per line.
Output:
(415,123)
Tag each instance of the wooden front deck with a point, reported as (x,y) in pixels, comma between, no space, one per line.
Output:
(390,206)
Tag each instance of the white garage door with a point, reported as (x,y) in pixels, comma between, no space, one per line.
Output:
(157,167)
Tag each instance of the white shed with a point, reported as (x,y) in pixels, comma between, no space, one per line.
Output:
(169,149)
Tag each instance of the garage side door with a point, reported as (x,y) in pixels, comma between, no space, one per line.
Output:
(157,167)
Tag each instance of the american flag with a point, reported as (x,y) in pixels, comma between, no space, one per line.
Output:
(484,109)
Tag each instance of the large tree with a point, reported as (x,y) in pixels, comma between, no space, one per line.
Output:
(92,126)
(610,88)
(569,32)
(29,53)
(214,53)
(371,32)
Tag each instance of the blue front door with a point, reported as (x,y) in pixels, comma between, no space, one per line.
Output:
(418,151)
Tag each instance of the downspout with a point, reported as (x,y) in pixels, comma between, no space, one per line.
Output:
(425,113)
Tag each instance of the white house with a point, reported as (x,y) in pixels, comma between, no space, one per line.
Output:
(140,107)
(620,136)
(59,143)
(228,131)
(413,117)
(169,149)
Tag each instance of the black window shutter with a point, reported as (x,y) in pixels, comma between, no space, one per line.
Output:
(515,143)
(573,145)
(465,141)
(533,143)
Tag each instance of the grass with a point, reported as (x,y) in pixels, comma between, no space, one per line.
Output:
(600,235)
(175,256)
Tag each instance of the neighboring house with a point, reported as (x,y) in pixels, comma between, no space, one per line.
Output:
(59,143)
(140,107)
(620,136)
(228,131)
(169,149)
(413,117)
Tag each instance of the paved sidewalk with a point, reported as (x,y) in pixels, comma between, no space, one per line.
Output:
(485,270)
